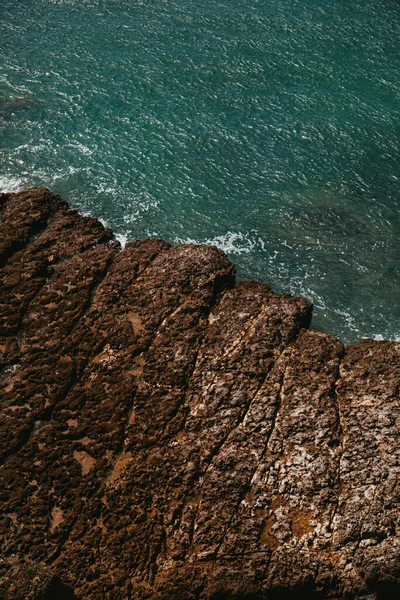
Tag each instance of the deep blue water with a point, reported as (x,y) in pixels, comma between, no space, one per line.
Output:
(270,128)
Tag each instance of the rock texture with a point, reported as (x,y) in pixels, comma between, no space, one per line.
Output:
(167,433)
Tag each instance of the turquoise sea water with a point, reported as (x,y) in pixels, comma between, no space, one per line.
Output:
(268,127)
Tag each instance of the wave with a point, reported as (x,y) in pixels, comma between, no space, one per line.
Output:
(11,184)
(231,242)
(122,238)
(382,338)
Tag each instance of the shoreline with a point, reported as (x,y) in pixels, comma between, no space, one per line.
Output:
(19,186)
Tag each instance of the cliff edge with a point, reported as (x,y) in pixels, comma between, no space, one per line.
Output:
(169,433)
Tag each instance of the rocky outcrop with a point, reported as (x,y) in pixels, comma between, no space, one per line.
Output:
(169,433)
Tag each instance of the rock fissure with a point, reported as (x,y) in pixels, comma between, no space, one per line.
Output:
(274,422)
(341,429)
(93,288)
(36,231)
(247,485)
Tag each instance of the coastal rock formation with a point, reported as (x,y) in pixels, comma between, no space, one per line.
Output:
(169,433)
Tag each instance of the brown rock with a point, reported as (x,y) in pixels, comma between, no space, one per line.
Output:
(33,582)
(169,433)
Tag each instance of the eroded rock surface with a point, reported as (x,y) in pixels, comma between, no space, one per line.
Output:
(167,433)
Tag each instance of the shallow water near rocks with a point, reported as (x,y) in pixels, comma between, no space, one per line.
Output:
(268,128)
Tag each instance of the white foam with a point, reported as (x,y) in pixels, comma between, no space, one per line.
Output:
(232,242)
(122,238)
(377,337)
(11,184)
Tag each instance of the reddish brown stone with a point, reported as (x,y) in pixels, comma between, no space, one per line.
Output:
(169,433)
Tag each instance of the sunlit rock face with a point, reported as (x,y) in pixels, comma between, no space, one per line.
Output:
(169,433)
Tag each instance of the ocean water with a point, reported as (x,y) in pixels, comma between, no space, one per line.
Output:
(267,127)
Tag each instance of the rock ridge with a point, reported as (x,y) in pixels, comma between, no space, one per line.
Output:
(169,432)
